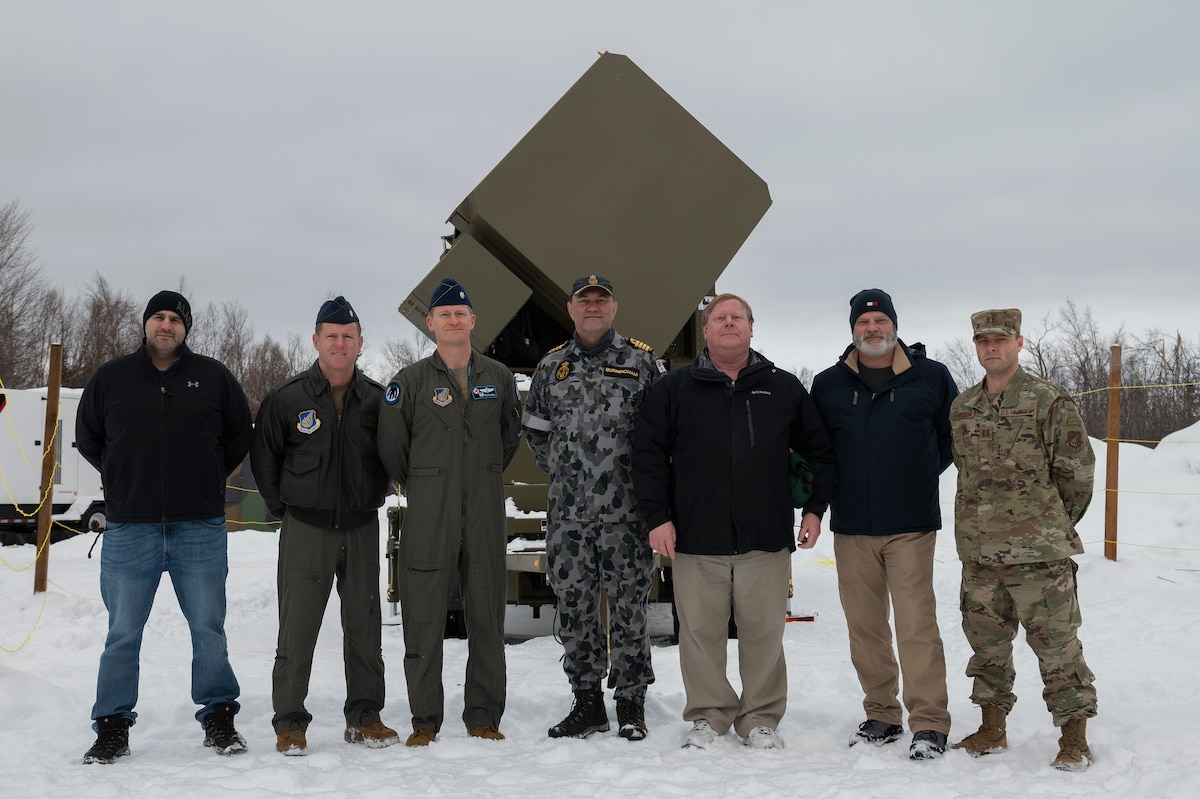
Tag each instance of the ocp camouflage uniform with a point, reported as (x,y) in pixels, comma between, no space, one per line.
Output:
(1025,476)
(579,421)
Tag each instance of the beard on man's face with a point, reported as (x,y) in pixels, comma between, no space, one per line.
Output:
(875,346)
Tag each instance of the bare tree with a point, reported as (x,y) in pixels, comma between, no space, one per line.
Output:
(103,324)
(960,358)
(21,293)
(397,353)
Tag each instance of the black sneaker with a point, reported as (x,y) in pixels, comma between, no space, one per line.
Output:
(631,719)
(220,734)
(586,717)
(927,745)
(112,741)
(877,733)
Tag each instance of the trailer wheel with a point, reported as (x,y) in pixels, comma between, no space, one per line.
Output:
(95,520)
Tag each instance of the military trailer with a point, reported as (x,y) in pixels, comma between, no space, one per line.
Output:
(617,179)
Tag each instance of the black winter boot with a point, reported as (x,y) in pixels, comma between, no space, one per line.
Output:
(586,717)
(112,740)
(631,719)
(219,732)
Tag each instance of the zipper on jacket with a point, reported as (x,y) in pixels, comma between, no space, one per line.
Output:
(162,447)
(336,513)
(855,400)
(750,422)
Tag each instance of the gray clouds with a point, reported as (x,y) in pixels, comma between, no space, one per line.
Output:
(958,155)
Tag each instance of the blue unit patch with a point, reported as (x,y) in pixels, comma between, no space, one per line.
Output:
(307,422)
(392,395)
(484,392)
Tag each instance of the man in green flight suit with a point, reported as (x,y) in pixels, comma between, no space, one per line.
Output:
(448,426)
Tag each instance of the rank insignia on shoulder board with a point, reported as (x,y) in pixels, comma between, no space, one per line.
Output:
(441,397)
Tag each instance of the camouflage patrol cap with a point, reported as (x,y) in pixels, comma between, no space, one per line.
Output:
(1005,321)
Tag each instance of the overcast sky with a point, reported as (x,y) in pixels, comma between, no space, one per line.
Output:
(960,155)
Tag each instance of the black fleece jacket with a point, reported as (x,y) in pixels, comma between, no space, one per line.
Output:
(164,442)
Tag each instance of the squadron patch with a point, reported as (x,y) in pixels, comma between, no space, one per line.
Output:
(392,394)
(564,370)
(484,392)
(1074,439)
(441,397)
(307,422)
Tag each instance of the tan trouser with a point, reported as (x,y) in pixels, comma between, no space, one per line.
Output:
(755,585)
(871,569)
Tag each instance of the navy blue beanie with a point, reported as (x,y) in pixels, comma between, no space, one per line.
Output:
(872,300)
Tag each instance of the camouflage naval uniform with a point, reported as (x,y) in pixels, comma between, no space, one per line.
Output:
(579,421)
(1025,472)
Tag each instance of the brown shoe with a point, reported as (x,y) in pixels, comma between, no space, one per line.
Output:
(1073,751)
(486,731)
(375,735)
(421,737)
(992,735)
(291,743)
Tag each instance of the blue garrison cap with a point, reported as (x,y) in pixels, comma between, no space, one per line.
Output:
(449,292)
(337,312)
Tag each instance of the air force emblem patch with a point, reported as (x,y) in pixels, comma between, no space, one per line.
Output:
(392,394)
(441,397)
(307,422)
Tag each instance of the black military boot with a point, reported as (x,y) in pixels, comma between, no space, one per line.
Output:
(112,740)
(586,717)
(631,719)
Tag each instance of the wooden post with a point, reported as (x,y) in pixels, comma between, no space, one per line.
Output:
(41,568)
(1114,437)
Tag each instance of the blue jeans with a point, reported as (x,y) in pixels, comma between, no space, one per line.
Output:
(132,561)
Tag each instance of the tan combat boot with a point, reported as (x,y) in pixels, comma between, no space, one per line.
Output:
(1073,751)
(992,735)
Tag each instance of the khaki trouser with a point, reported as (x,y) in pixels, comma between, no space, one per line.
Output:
(878,574)
(310,559)
(755,584)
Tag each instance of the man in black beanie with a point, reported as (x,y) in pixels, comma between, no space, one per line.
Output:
(165,427)
(317,468)
(887,408)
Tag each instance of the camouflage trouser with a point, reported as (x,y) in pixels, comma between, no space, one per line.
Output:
(582,562)
(1042,598)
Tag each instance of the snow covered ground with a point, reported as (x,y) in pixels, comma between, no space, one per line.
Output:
(1140,637)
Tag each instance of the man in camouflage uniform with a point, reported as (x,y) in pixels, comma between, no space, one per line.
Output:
(579,421)
(1025,471)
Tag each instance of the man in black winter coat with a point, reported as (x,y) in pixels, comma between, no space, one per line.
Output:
(710,471)
(887,408)
(165,427)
